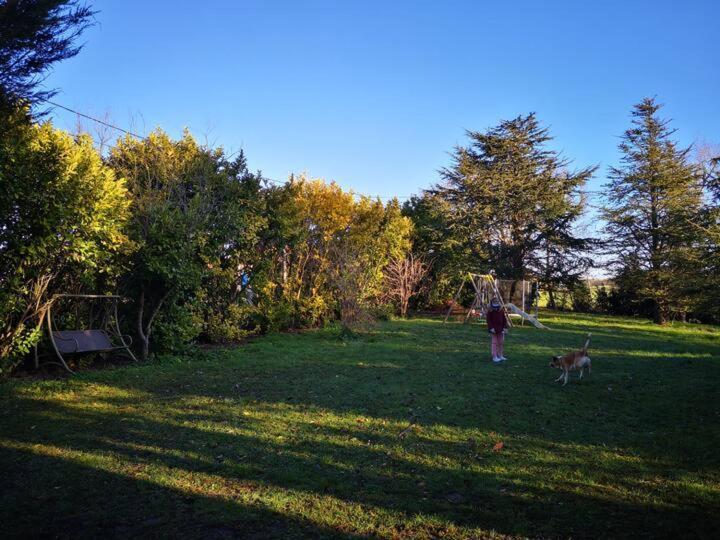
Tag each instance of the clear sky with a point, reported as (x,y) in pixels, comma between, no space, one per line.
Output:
(375,94)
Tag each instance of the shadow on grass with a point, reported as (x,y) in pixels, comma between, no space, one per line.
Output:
(97,474)
(77,501)
(326,448)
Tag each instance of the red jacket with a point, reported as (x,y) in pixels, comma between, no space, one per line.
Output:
(496,320)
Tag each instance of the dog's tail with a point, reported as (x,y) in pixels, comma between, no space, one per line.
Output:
(587,343)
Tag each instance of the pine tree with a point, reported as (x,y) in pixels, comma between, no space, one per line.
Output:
(707,306)
(652,198)
(34,34)
(512,203)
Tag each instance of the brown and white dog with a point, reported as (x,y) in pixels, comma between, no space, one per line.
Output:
(572,361)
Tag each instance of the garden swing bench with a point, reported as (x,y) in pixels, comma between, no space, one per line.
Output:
(98,334)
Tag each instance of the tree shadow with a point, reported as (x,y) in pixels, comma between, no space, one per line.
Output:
(130,475)
(328,424)
(77,501)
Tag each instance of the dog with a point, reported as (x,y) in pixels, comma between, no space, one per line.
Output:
(572,361)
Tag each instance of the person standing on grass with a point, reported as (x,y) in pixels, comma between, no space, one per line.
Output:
(497,326)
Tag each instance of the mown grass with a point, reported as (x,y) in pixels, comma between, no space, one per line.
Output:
(394,434)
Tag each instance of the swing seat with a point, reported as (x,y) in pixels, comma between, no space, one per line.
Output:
(105,337)
(83,341)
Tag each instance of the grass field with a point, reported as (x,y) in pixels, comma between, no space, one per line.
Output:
(393,434)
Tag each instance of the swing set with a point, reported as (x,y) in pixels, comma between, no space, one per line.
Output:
(485,287)
(90,325)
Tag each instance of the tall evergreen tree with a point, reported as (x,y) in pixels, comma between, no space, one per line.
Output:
(34,34)
(652,199)
(707,306)
(512,202)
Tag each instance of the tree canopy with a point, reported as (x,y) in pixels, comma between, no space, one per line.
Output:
(34,35)
(653,198)
(508,203)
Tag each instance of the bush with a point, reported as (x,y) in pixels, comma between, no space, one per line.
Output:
(297,313)
(175,328)
(235,324)
(384,312)
(581,297)
(602,301)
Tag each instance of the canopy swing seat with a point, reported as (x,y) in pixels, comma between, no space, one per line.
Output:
(98,333)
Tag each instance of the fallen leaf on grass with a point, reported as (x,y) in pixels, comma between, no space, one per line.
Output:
(498,446)
(455,498)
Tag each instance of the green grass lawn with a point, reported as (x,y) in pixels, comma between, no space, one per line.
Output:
(393,434)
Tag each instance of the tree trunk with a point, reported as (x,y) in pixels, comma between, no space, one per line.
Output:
(285,255)
(144,341)
(513,288)
(551,299)
(659,316)
(145,329)
(145,349)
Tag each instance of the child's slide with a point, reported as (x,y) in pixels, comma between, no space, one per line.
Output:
(532,320)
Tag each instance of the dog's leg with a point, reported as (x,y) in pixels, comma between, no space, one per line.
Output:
(562,374)
(581,373)
(567,374)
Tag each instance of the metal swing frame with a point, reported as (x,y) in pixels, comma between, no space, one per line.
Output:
(485,287)
(105,339)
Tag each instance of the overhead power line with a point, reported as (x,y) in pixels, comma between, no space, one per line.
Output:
(269,180)
(141,137)
(107,124)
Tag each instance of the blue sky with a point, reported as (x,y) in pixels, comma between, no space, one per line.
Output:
(375,94)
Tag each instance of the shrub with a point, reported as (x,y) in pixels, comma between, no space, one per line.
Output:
(176,326)
(602,301)
(581,297)
(297,313)
(62,213)
(232,325)
(384,311)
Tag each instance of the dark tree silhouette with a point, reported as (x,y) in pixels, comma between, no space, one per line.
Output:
(34,34)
